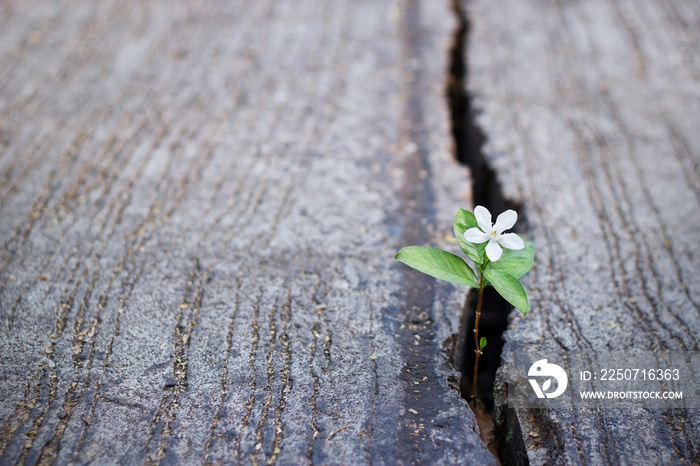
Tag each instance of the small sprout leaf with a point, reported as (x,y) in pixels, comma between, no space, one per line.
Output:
(439,264)
(465,220)
(515,262)
(509,287)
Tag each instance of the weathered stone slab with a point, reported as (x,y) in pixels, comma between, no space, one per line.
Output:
(591,112)
(199,206)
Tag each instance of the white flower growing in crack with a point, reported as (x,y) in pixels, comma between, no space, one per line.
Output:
(493,233)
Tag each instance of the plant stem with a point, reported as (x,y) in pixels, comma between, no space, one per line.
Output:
(476,334)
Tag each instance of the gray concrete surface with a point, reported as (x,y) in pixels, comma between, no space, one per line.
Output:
(199,207)
(591,112)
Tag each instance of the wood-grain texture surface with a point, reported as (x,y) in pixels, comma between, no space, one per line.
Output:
(199,207)
(592,111)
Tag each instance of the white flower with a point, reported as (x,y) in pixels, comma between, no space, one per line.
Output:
(493,233)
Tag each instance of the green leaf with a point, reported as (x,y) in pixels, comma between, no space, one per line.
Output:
(439,264)
(465,220)
(482,343)
(515,263)
(509,287)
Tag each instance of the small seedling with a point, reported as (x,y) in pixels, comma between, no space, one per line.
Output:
(500,259)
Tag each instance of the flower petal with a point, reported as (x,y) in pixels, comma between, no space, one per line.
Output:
(474,235)
(505,221)
(483,218)
(493,251)
(511,241)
